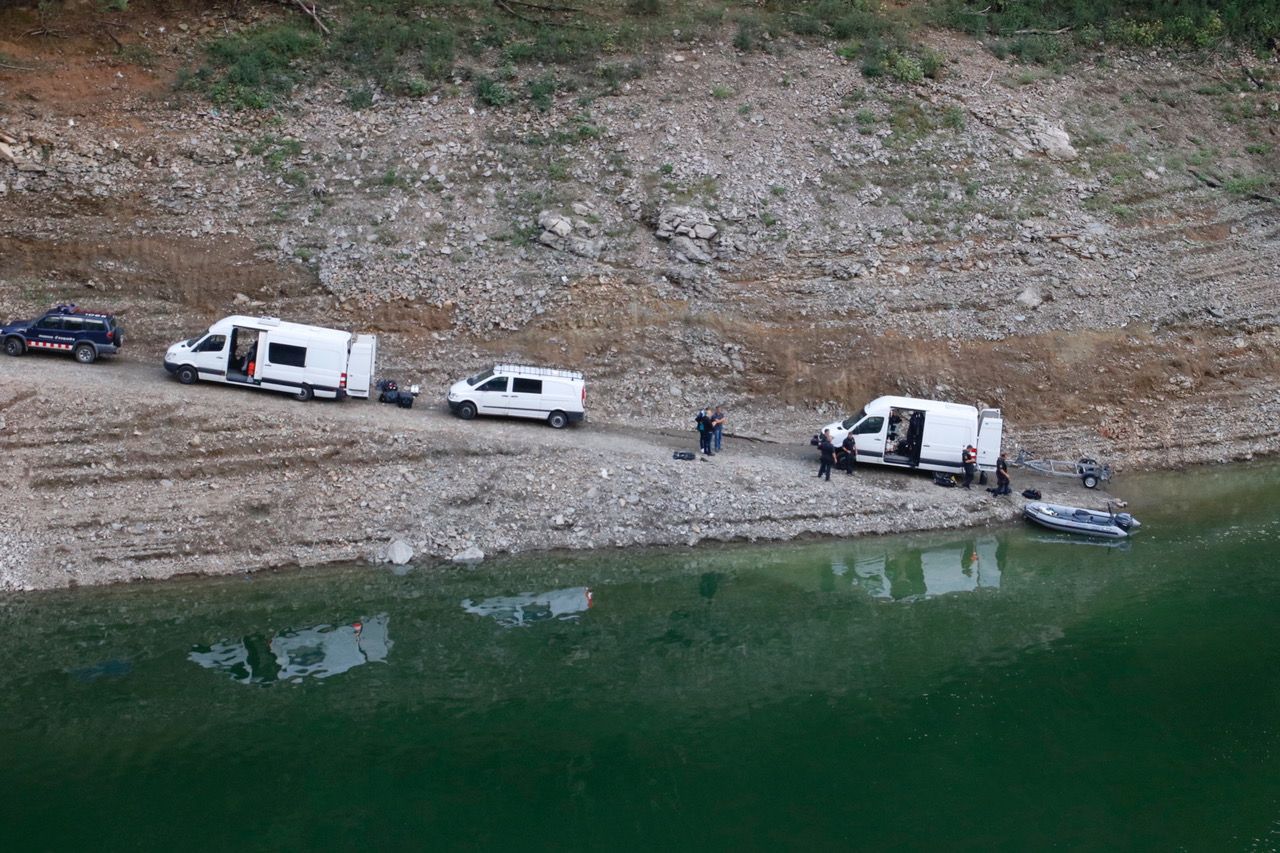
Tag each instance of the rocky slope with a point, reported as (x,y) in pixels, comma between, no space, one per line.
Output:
(769,230)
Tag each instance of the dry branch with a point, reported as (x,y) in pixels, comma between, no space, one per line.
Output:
(312,11)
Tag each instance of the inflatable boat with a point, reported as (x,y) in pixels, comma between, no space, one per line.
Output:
(1090,522)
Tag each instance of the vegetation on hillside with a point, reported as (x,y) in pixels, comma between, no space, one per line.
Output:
(418,47)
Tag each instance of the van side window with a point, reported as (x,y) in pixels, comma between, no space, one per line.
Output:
(72,324)
(520,385)
(497,383)
(213,343)
(287,355)
(51,323)
(871,426)
(92,324)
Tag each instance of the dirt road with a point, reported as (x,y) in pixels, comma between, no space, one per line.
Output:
(116,472)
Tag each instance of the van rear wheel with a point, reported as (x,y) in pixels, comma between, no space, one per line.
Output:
(467,410)
(304,393)
(86,354)
(558,420)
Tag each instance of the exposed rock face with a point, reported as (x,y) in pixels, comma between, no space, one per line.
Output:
(580,236)
(690,231)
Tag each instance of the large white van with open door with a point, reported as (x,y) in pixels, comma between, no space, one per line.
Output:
(558,397)
(907,432)
(268,353)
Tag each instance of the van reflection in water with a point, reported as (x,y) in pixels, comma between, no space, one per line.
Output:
(526,608)
(317,652)
(957,567)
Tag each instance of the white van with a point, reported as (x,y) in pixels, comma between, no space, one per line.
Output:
(557,396)
(268,353)
(907,432)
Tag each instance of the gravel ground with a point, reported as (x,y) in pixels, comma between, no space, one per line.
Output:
(123,474)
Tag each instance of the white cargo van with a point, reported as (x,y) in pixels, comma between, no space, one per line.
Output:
(907,432)
(558,397)
(268,353)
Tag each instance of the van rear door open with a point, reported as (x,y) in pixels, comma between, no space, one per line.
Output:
(360,365)
(990,432)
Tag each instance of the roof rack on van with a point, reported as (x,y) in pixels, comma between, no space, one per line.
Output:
(536,371)
(269,321)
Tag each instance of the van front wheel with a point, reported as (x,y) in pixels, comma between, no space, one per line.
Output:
(558,420)
(187,374)
(14,346)
(304,393)
(467,410)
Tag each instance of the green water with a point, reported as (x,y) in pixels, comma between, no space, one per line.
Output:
(997,690)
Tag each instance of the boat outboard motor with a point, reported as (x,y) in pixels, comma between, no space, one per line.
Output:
(1125,521)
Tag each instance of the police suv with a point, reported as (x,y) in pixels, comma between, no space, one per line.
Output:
(68,329)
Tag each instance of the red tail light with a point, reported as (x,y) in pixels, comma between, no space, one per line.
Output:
(111,336)
(343,382)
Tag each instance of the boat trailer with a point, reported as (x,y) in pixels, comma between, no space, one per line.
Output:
(1090,471)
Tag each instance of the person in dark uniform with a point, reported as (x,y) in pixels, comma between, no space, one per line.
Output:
(703,420)
(827,455)
(849,454)
(1003,485)
(970,459)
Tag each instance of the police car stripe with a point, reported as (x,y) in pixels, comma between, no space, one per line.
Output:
(46,345)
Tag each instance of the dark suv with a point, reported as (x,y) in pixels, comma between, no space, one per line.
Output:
(66,328)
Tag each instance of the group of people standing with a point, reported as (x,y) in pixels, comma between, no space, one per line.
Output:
(710,425)
(842,456)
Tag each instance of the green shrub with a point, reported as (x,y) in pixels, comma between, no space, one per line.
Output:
(256,68)
(749,34)
(360,97)
(932,63)
(542,91)
(904,67)
(491,93)
(1134,23)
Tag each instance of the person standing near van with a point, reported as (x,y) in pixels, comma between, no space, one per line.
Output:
(826,455)
(717,427)
(703,422)
(849,449)
(969,458)
(1003,484)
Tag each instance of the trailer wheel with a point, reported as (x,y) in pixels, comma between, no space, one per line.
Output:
(14,346)
(1090,481)
(187,374)
(558,420)
(304,393)
(86,354)
(467,410)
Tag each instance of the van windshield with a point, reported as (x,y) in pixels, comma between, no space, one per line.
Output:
(848,422)
(479,377)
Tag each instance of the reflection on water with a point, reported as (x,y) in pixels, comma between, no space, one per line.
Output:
(905,574)
(526,608)
(318,652)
